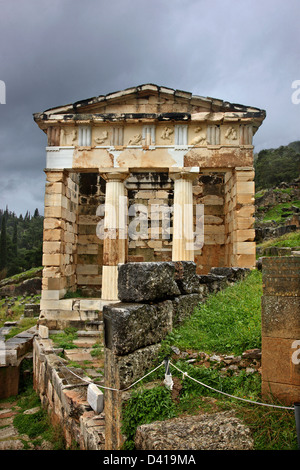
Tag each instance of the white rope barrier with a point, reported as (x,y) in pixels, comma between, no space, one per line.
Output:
(185,374)
(228,395)
(102,386)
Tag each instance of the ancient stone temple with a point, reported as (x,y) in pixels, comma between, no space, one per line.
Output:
(145,174)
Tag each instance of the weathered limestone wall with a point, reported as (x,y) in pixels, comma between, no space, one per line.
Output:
(90,246)
(65,398)
(150,189)
(60,234)
(146,191)
(281,328)
(60,238)
(240,247)
(209,191)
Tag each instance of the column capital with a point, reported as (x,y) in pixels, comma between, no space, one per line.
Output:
(184,173)
(119,174)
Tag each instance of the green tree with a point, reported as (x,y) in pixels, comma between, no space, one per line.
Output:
(15,238)
(3,244)
(273,166)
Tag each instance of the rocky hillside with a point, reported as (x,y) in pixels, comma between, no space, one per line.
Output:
(277,210)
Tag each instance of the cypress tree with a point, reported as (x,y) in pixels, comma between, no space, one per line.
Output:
(3,245)
(15,238)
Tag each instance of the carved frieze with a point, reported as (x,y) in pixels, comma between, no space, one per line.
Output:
(231,134)
(199,139)
(68,136)
(135,140)
(102,138)
(167,134)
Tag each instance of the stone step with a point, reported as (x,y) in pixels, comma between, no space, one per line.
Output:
(96,325)
(86,341)
(89,333)
(78,355)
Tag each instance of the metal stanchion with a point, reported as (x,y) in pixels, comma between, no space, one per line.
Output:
(297,419)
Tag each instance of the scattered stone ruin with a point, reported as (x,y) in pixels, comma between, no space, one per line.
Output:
(154,297)
(119,167)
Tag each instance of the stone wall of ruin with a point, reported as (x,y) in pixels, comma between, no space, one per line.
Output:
(155,298)
(64,397)
(147,189)
(240,247)
(281,328)
(143,189)
(90,246)
(60,234)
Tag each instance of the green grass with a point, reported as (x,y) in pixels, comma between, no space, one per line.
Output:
(65,338)
(283,190)
(36,426)
(260,193)
(228,322)
(23,325)
(276,212)
(17,278)
(146,407)
(291,240)
(17,310)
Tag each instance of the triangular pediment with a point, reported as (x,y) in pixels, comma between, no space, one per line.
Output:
(150,103)
(149,99)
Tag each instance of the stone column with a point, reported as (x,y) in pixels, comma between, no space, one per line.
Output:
(183,238)
(115,233)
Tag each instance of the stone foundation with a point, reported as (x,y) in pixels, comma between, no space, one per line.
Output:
(281,328)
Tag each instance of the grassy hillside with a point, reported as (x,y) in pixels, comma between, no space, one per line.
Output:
(227,323)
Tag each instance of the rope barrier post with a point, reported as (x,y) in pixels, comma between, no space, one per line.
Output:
(168,377)
(167,365)
(297,419)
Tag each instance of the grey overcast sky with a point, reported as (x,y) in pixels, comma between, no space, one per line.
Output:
(61,51)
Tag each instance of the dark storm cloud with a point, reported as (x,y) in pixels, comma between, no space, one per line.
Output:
(58,52)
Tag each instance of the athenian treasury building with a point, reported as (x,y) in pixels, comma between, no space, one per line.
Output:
(145,174)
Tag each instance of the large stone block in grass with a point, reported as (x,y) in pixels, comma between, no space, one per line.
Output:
(186,277)
(214,431)
(147,282)
(131,326)
(184,306)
